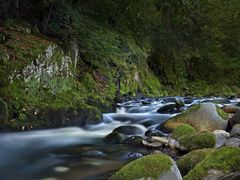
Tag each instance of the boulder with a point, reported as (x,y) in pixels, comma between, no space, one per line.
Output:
(198,140)
(155,166)
(235,132)
(129,130)
(170,108)
(221,137)
(133,140)
(182,130)
(233,142)
(235,119)
(150,133)
(114,137)
(220,162)
(3,112)
(231,109)
(203,117)
(187,162)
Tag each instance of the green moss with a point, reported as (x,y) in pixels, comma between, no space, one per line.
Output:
(222,114)
(190,160)
(148,166)
(226,160)
(182,130)
(198,140)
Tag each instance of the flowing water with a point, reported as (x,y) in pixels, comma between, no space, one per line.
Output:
(80,153)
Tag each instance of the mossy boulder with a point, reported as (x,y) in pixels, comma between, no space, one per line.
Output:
(182,130)
(156,166)
(3,112)
(203,117)
(198,140)
(224,161)
(190,160)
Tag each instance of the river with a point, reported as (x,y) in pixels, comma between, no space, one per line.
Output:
(81,153)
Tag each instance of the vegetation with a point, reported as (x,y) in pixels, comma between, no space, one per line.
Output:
(182,130)
(190,160)
(151,166)
(226,160)
(198,140)
(122,48)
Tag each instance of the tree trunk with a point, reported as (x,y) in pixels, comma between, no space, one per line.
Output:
(47,19)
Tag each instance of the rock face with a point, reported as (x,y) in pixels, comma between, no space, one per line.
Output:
(190,160)
(203,117)
(3,112)
(217,164)
(156,166)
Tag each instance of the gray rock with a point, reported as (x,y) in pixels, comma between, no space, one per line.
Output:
(221,137)
(232,176)
(235,119)
(235,132)
(233,142)
(203,117)
(129,130)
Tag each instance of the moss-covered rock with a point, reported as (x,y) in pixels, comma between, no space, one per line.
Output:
(198,140)
(156,166)
(190,160)
(224,160)
(182,130)
(203,117)
(3,112)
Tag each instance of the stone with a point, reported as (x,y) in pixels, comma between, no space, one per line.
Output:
(134,155)
(216,164)
(129,130)
(231,176)
(155,166)
(170,108)
(133,140)
(232,142)
(231,109)
(197,140)
(182,130)
(150,133)
(221,137)
(187,162)
(114,137)
(203,117)
(235,119)
(235,132)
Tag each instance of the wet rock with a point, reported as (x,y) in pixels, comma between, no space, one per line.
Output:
(129,130)
(94,153)
(235,119)
(145,102)
(235,132)
(114,137)
(198,140)
(150,133)
(134,155)
(3,112)
(188,100)
(170,108)
(133,140)
(203,117)
(223,161)
(232,142)
(221,137)
(142,168)
(231,109)
(187,162)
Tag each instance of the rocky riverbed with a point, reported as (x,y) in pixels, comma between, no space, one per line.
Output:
(161,138)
